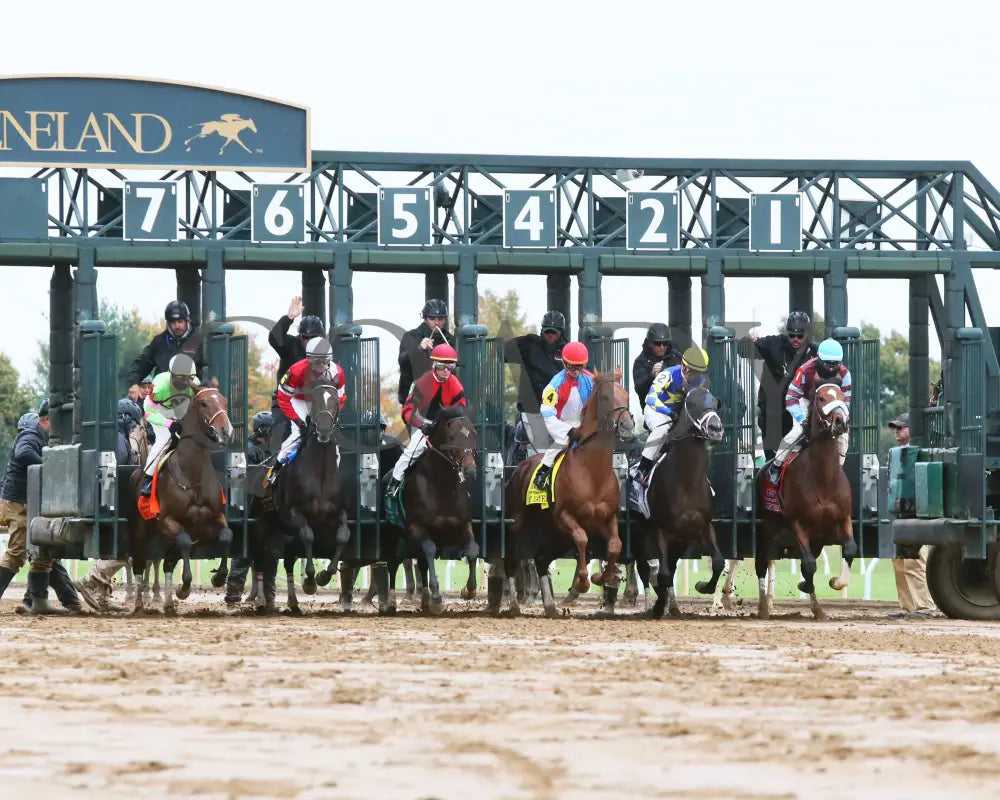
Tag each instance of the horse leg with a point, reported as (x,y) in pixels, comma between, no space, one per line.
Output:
(672,608)
(347,575)
(848,550)
(145,580)
(494,585)
(137,566)
(430,553)
(129,584)
(722,599)
(221,573)
(157,597)
(718,563)
(545,581)
(169,562)
(631,595)
(408,578)
(532,585)
(761,565)
(808,568)
(471,553)
(307,537)
(185,544)
(325,575)
(610,571)
(390,603)
(661,574)
(469,590)
(567,523)
(343,537)
(293,601)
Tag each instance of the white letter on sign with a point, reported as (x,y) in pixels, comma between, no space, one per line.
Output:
(775,222)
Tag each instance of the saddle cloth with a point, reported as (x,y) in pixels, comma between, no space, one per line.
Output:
(149,507)
(772,492)
(547,496)
(638,492)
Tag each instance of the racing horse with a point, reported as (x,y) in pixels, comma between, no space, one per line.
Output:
(307,500)
(436,506)
(189,495)
(680,502)
(586,498)
(815,501)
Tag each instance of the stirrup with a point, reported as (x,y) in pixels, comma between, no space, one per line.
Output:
(146,487)
(392,487)
(542,477)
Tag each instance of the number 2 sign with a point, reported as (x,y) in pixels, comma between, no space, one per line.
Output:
(652,221)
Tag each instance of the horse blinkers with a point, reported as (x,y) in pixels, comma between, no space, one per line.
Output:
(463,459)
(220,429)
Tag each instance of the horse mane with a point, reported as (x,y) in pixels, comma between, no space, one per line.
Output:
(450,413)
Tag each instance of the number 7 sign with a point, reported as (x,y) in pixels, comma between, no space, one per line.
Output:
(149,211)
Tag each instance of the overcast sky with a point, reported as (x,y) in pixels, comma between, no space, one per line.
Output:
(913,80)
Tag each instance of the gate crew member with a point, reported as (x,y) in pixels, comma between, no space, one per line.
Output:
(256,454)
(290,350)
(166,405)
(658,353)
(416,345)
(782,354)
(431,392)
(156,356)
(317,367)
(562,404)
(827,367)
(32,435)
(539,357)
(665,396)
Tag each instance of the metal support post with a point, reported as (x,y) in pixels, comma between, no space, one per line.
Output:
(919,375)
(559,298)
(679,309)
(213,287)
(189,291)
(61,355)
(589,294)
(713,297)
(314,292)
(341,290)
(835,295)
(466,293)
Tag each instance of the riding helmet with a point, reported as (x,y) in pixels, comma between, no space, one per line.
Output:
(444,352)
(553,321)
(574,354)
(658,332)
(798,322)
(695,359)
(829,358)
(310,325)
(43,407)
(319,352)
(183,364)
(262,423)
(177,309)
(435,308)
(126,408)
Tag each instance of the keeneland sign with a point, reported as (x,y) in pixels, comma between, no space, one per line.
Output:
(75,121)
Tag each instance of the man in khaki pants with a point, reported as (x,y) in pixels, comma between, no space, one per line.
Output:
(911,573)
(32,434)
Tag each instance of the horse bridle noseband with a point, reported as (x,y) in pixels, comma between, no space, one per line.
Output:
(198,436)
(451,461)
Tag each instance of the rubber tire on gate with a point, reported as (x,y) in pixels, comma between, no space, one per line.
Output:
(963,588)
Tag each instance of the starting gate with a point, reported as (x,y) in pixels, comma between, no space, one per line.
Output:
(733,383)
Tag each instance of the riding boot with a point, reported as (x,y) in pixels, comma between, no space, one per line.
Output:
(774,472)
(38,585)
(62,585)
(542,476)
(146,489)
(392,487)
(642,470)
(6,575)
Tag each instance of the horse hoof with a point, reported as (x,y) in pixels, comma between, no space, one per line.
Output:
(806,588)
(436,606)
(514,610)
(169,610)
(129,595)
(552,612)
(388,610)
(309,586)
(156,597)
(425,600)
(597,579)
(836,585)
(702,587)
(467,593)
(493,611)
(323,577)
(763,613)
(183,592)
(675,612)
(727,603)
(631,598)
(293,611)
(219,578)
(656,612)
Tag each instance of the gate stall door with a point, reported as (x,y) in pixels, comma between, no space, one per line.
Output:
(228,362)
(733,383)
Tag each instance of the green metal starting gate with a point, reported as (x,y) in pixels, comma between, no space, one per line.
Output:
(481,370)
(734,384)
(228,358)
(98,397)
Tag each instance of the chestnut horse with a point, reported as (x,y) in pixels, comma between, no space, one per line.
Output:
(816,501)
(680,502)
(190,497)
(586,497)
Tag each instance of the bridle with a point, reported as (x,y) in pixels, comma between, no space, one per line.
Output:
(696,426)
(826,411)
(612,422)
(454,462)
(197,437)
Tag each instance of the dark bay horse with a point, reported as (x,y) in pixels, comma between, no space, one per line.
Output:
(190,497)
(437,506)
(586,498)
(680,502)
(816,501)
(307,499)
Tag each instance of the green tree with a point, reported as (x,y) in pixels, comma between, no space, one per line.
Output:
(502,316)
(15,400)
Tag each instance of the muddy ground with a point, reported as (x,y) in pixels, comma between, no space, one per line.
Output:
(324,705)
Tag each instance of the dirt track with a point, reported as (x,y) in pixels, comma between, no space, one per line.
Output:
(324,705)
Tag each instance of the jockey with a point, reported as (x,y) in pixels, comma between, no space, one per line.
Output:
(826,367)
(562,404)
(431,392)
(165,405)
(665,396)
(290,350)
(261,434)
(293,398)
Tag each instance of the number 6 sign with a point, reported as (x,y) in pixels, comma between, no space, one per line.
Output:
(278,212)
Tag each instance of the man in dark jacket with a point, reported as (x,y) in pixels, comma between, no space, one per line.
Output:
(177,338)
(415,348)
(539,358)
(290,349)
(782,354)
(32,436)
(658,353)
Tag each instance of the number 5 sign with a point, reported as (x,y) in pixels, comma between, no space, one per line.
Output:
(652,221)
(278,212)
(404,216)
(529,218)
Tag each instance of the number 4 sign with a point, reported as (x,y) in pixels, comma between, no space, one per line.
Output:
(529,218)
(277,212)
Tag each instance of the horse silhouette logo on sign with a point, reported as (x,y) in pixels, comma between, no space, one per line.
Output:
(228,126)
